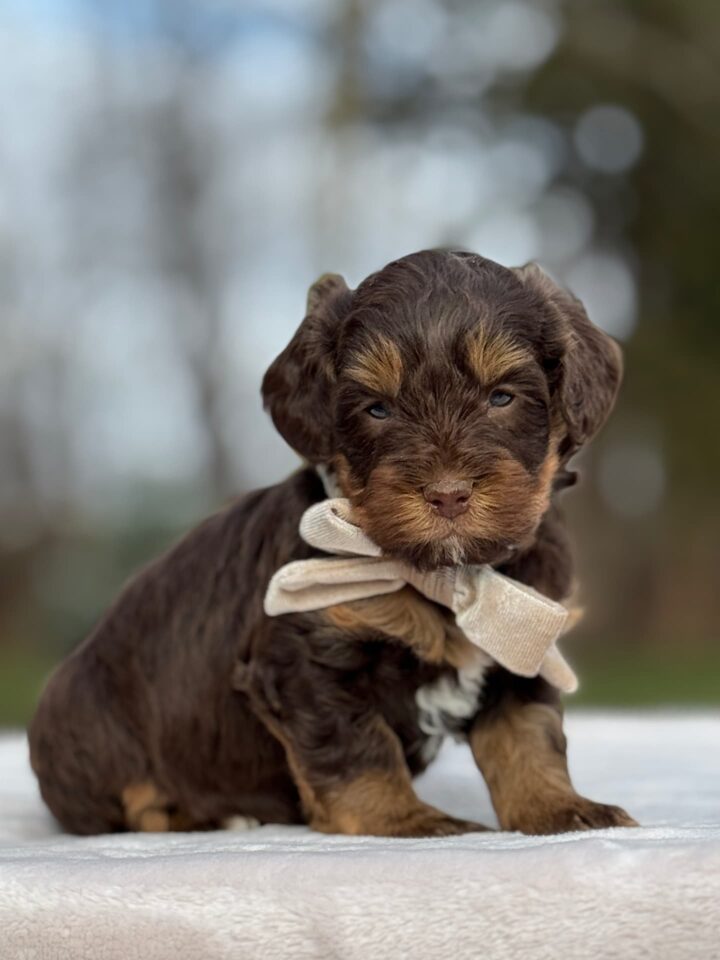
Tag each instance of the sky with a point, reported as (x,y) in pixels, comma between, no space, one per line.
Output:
(206,25)
(280,199)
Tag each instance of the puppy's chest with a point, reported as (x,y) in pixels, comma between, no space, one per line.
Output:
(447,703)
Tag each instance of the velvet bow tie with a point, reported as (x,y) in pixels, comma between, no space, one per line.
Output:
(514,624)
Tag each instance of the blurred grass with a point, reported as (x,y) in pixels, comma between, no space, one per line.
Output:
(690,678)
(22,676)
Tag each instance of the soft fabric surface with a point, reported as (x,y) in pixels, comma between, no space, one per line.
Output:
(281,892)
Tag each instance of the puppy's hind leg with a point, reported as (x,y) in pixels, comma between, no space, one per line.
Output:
(148,810)
(83,765)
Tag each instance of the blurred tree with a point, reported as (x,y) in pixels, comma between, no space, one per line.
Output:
(661,61)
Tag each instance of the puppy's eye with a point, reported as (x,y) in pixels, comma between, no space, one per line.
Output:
(500,398)
(379,411)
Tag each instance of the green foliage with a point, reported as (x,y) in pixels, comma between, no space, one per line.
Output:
(22,676)
(649,679)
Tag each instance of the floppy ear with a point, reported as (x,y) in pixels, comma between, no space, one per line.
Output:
(588,362)
(298,387)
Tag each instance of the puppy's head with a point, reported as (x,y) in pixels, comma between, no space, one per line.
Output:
(447,391)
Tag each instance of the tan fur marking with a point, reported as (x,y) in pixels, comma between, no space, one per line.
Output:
(145,808)
(522,756)
(546,475)
(493,356)
(521,753)
(379,367)
(343,473)
(388,512)
(492,511)
(383,803)
(403,615)
(154,821)
(407,616)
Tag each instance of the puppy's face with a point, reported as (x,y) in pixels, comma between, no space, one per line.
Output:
(446,391)
(443,428)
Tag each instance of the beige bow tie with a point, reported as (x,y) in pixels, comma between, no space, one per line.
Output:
(514,624)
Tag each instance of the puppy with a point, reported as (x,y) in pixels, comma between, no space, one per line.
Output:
(444,397)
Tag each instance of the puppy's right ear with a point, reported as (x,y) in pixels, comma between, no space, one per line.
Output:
(298,387)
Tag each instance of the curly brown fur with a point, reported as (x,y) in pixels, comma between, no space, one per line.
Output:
(187,705)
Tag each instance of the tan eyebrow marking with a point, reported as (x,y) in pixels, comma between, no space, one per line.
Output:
(378,367)
(492,356)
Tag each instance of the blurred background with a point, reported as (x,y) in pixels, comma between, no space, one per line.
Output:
(174,174)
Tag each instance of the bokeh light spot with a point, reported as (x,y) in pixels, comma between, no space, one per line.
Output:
(609,138)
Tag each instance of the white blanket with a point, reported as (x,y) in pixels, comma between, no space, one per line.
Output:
(284,892)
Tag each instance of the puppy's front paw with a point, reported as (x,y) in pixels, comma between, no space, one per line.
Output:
(572,814)
(419,821)
(443,825)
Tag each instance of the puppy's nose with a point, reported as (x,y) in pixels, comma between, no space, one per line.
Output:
(449,497)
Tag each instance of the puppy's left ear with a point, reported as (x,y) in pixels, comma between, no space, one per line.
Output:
(298,386)
(588,362)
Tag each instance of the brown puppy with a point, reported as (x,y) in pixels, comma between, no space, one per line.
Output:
(444,397)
